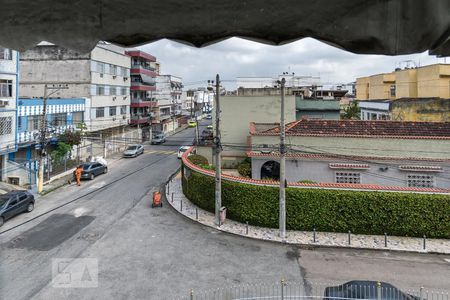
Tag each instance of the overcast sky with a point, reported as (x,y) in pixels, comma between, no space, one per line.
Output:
(239,58)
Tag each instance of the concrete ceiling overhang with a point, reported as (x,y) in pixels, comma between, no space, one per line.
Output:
(361,26)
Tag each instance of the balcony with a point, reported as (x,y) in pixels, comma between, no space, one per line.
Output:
(140,119)
(146,70)
(142,103)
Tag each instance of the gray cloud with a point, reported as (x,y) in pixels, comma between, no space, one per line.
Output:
(238,57)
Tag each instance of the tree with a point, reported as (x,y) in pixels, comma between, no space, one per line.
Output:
(61,151)
(352,112)
(70,137)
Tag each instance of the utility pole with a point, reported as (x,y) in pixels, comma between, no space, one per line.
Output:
(282,217)
(218,150)
(43,132)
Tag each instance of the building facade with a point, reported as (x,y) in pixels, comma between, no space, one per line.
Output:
(168,108)
(431,81)
(102,76)
(398,154)
(407,109)
(9,78)
(143,85)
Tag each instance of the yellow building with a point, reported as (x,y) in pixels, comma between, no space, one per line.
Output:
(431,81)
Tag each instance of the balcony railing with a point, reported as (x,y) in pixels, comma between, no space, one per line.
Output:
(141,66)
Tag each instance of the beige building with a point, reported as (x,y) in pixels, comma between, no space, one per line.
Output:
(236,115)
(431,81)
(102,76)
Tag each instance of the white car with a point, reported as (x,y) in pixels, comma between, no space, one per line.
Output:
(182,150)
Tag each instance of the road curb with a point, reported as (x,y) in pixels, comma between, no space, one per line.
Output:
(300,245)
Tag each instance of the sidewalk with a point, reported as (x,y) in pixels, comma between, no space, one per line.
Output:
(62,179)
(322,239)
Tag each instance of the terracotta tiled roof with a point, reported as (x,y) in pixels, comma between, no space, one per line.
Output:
(350,128)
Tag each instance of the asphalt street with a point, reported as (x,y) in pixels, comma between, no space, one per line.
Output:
(154,253)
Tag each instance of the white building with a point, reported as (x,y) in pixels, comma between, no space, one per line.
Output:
(168,109)
(292,81)
(9,70)
(101,76)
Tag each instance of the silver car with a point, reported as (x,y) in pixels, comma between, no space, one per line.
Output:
(133,150)
(159,139)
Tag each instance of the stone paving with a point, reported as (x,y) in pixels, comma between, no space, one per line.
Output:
(180,203)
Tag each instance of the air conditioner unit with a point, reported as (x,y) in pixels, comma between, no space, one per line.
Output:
(125,78)
(114,98)
(124,117)
(114,119)
(101,75)
(125,98)
(114,76)
(4,102)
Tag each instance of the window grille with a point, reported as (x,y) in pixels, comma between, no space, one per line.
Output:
(348,177)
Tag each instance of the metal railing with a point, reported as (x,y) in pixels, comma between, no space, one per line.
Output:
(364,290)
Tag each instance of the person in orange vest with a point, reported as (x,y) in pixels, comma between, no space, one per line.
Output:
(78,172)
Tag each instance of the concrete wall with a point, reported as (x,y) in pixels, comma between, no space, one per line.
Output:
(379,86)
(406,84)
(434,81)
(421,110)
(362,88)
(320,172)
(373,147)
(238,112)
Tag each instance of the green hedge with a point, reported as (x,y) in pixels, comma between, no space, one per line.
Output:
(402,214)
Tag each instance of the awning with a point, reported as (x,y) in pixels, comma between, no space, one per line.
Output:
(360,26)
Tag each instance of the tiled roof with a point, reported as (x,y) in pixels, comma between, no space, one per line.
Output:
(350,128)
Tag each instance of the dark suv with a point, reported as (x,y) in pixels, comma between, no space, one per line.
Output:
(14,203)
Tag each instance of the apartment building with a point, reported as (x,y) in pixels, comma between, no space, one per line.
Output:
(102,76)
(9,77)
(431,81)
(168,108)
(144,70)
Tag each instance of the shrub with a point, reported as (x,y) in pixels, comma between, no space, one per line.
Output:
(207,167)
(307,181)
(198,160)
(403,214)
(245,168)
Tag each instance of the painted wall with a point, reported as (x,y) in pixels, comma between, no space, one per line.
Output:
(406,84)
(434,81)
(385,173)
(373,147)
(238,112)
(421,110)
(379,86)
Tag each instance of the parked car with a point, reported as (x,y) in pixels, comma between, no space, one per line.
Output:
(182,150)
(192,124)
(209,127)
(208,117)
(14,203)
(158,138)
(133,151)
(366,290)
(92,169)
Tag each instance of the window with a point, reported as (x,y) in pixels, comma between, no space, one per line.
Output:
(420,180)
(392,90)
(19,123)
(112,111)
(348,177)
(77,117)
(6,88)
(5,53)
(100,67)
(123,91)
(5,125)
(23,197)
(99,112)
(125,72)
(113,70)
(112,90)
(33,123)
(123,110)
(100,90)
(58,120)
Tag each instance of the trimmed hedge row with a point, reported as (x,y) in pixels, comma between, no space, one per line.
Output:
(402,214)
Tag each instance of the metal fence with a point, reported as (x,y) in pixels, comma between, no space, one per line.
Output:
(367,290)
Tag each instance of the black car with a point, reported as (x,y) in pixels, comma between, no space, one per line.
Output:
(14,203)
(366,290)
(207,134)
(92,169)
